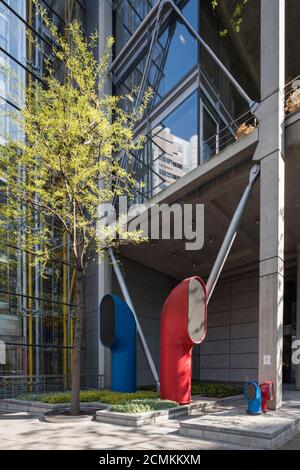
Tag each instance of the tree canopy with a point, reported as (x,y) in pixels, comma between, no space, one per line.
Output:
(63,162)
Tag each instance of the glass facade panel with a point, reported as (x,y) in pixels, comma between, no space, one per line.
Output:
(4,282)
(12,57)
(173,56)
(31,306)
(12,32)
(210,27)
(128,15)
(216,132)
(210,129)
(171,150)
(178,139)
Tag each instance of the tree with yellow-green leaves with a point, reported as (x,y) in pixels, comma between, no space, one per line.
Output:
(63,165)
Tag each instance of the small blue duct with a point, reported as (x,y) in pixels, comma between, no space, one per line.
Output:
(118,333)
(252,393)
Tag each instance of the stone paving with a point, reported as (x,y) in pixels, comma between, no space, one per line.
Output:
(233,425)
(293,444)
(28,432)
(20,430)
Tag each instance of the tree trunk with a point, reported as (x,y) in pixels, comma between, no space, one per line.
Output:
(76,369)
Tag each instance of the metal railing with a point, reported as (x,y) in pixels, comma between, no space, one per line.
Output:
(245,123)
(292,95)
(14,386)
(235,130)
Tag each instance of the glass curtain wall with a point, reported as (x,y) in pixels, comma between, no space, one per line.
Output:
(35,313)
(173,57)
(202,120)
(128,15)
(171,150)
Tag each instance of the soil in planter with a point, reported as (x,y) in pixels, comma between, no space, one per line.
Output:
(67,412)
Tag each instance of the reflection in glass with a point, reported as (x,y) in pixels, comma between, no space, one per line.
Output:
(4,282)
(128,15)
(41,299)
(173,56)
(171,150)
(175,53)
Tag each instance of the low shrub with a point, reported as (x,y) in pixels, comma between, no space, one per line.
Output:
(103,396)
(141,406)
(118,398)
(149,388)
(216,390)
(30,397)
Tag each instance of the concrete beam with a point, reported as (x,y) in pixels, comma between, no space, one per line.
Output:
(270,153)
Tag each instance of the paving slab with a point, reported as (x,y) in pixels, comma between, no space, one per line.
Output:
(233,425)
(27,431)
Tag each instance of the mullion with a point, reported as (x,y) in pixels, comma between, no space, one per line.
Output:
(10,104)
(22,65)
(27,24)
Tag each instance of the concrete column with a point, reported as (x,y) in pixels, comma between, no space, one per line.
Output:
(105,29)
(270,153)
(99,18)
(297,367)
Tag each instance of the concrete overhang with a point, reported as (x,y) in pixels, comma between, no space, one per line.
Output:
(219,184)
(231,156)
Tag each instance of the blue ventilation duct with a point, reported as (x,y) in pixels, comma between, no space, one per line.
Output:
(252,393)
(118,333)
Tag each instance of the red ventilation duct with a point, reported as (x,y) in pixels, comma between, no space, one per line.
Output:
(182,325)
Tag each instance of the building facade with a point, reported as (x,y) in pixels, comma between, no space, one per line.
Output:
(36,313)
(214,113)
(203,137)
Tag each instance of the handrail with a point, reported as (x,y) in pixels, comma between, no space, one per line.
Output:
(12,386)
(291,81)
(42,376)
(228,126)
